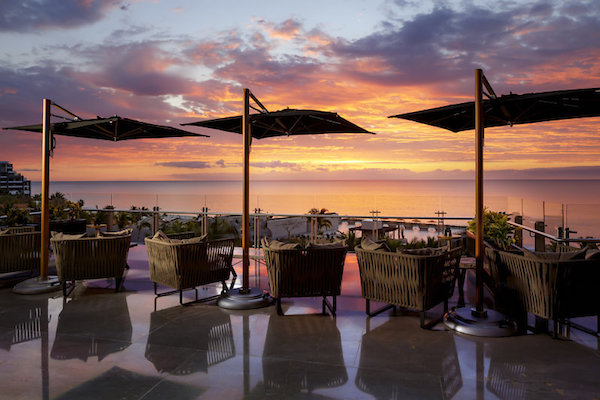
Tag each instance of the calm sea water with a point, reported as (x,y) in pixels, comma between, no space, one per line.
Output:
(579,200)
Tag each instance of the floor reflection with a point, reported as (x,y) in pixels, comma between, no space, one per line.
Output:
(302,353)
(396,363)
(119,383)
(204,334)
(532,367)
(23,320)
(92,326)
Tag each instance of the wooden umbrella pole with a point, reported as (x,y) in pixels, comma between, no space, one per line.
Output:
(479,249)
(45,216)
(246,137)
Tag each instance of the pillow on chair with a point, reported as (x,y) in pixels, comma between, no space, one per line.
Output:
(124,232)
(336,244)
(160,235)
(425,251)
(198,239)
(277,245)
(368,244)
(66,236)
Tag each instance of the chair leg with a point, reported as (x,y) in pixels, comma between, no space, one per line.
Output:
(180,296)
(379,311)
(64,288)
(118,283)
(279,310)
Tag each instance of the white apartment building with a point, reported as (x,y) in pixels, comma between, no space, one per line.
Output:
(12,181)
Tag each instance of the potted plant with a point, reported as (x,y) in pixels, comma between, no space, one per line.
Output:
(497,232)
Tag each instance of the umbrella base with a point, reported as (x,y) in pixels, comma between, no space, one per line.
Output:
(38,285)
(493,324)
(237,299)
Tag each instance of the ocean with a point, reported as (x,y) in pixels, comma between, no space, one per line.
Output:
(549,200)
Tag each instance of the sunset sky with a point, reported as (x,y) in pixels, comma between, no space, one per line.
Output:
(171,62)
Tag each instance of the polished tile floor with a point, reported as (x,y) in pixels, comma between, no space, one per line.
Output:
(106,345)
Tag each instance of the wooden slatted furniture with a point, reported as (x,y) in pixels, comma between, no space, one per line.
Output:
(187,264)
(312,272)
(90,258)
(417,282)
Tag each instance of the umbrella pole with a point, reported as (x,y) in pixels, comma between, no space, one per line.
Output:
(43,283)
(478,321)
(45,216)
(479,249)
(245,298)
(247,138)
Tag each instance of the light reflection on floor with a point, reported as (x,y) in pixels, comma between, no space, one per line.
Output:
(105,345)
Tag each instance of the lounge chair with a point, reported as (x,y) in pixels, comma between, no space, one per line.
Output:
(20,252)
(79,258)
(552,286)
(417,282)
(312,272)
(188,263)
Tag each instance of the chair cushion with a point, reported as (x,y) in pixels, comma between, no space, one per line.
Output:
(555,256)
(160,235)
(425,251)
(277,245)
(124,232)
(592,254)
(368,244)
(66,236)
(198,239)
(336,244)
(4,232)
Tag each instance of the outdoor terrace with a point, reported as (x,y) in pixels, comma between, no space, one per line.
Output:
(102,344)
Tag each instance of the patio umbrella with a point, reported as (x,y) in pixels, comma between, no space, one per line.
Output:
(505,110)
(263,125)
(113,128)
(513,109)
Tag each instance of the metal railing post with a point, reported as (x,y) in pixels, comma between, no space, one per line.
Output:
(155,219)
(519,231)
(110,219)
(540,241)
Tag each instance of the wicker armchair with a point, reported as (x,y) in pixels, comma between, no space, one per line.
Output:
(550,289)
(184,266)
(20,252)
(91,258)
(308,272)
(417,282)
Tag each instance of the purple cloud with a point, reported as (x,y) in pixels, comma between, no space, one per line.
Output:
(186,164)
(33,15)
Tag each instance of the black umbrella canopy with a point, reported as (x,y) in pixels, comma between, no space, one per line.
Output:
(113,128)
(285,122)
(513,109)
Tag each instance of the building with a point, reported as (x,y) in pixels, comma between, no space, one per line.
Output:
(12,181)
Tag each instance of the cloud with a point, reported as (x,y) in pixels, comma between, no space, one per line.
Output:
(277,164)
(186,164)
(286,30)
(32,15)
(445,45)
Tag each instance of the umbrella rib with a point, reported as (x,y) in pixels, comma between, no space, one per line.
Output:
(296,123)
